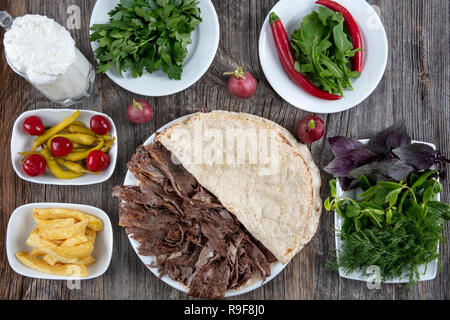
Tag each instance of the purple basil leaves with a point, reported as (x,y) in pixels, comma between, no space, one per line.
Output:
(419,155)
(393,137)
(342,165)
(347,183)
(441,161)
(386,170)
(388,156)
(341,145)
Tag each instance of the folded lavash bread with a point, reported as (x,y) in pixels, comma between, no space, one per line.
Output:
(276,198)
(315,173)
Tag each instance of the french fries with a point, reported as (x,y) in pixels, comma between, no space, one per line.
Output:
(62,241)
(94,223)
(55,222)
(49,259)
(57,233)
(87,261)
(63,254)
(75,270)
(75,240)
(37,253)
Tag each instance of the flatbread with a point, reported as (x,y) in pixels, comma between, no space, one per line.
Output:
(315,172)
(275,198)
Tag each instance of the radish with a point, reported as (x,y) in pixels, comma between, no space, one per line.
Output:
(241,84)
(310,129)
(139,111)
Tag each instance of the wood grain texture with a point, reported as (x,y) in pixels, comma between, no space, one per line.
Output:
(415,87)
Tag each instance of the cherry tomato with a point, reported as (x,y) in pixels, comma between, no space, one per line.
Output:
(97,161)
(33,126)
(61,146)
(100,125)
(34,165)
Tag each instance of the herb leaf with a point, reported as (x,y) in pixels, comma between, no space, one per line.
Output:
(390,138)
(341,145)
(418,155)
(323,49)
(395,226)
(389,156)
(146,35)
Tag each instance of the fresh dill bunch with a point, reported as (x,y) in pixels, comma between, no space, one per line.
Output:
(396,226)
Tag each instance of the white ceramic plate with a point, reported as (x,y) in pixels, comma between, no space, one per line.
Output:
(21,223)
(20,142)
(201,52)
(375,53)
(150,260)
(427,272)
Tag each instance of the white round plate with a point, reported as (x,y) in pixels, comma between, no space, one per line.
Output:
(375,53)
(150,260)
(201,52)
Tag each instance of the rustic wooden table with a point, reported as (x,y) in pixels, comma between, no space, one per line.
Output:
(415,87)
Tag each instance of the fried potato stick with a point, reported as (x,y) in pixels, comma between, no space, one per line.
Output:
(63,254)
(76,270)
(50,232)
(94,223)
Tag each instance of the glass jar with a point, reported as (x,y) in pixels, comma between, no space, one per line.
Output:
(69,88)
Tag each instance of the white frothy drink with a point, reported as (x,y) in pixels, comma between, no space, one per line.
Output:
(44,53)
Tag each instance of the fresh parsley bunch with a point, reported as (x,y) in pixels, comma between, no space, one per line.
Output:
(146,35)
(394,225)
(323,49)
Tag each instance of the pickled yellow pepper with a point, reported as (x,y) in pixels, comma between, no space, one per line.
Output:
(74,166)
(78,138)
(75,128)
(55,168)
(108,145)
(77,156)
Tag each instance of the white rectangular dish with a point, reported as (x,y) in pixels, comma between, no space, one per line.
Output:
(20,142)
(21,223)
(427,272)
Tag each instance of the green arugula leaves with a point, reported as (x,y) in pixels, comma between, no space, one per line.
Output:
(394,225)
(146,35)
(323,50)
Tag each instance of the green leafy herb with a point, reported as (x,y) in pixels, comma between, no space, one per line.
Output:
(146,35)
(323,50)
(393,225)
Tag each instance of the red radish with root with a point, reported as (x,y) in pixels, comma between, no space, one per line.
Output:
(242,84)
(310,129)
(139,111)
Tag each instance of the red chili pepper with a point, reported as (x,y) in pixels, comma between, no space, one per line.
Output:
(288,60)
(352,29)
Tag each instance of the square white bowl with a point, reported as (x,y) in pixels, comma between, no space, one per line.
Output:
(426,272)
(21,142)
(21,223)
